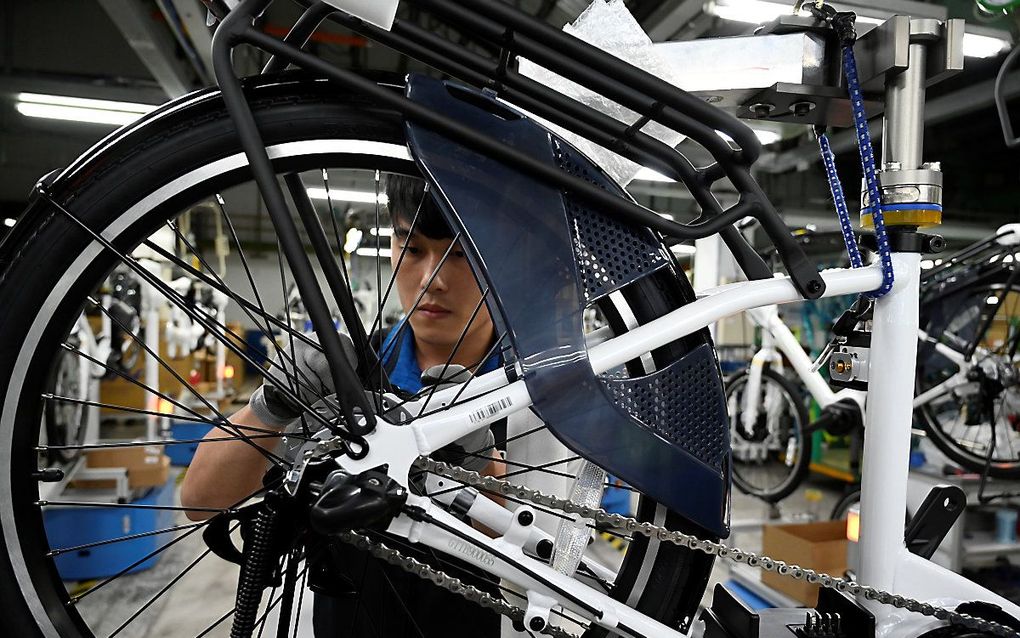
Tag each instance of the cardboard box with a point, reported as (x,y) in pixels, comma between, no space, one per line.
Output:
(146,466)
(820,546)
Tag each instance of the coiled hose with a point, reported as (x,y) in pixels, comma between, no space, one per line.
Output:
(254,571)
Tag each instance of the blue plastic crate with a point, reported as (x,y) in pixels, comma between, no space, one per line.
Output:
(181,453)
(73,526)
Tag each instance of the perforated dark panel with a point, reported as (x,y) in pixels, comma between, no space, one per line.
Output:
(609,254)
(684,403)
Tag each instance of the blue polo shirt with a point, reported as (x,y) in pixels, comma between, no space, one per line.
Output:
(406,373)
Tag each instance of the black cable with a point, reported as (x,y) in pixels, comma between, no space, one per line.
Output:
(998,94)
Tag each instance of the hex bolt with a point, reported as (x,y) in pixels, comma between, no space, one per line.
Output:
(933,166)
(536,624)
(892,166)
(525,518)
(762,109)
(802,108)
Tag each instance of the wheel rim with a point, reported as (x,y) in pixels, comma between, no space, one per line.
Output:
(766,460)
(959,420)
(144,208)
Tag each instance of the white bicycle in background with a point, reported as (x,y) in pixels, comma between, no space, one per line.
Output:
(547,234)
(966,379)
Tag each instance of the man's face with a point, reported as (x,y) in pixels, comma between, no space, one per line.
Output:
(450,297)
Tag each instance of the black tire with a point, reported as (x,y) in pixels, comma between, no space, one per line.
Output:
(943,418)
(48,252)
(65,424)
(842,507)
(794,421)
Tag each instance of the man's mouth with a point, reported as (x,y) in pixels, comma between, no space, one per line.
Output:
(432,311)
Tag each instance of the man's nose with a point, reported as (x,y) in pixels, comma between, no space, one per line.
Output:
(432,280)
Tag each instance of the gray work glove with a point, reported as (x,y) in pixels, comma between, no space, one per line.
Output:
(275,408)
(311,376)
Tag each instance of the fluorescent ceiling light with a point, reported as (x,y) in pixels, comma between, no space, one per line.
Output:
(749,11)
(760,11)
(385,231)
(373,252)
(72,114)
(339,194)
(650,175)
(77,109)
(982,46)
(86,103)
(10,221)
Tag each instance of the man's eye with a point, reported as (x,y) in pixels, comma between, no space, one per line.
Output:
(411,250)
(458,253)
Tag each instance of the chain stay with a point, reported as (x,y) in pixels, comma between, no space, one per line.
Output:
(601,516)
(443,580)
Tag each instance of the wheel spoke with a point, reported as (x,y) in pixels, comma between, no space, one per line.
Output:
(307,383)
(414,306)
(456,347)
(169,293)
(496,347)
(121,539)
(74,600)
(165,588)
(198,395)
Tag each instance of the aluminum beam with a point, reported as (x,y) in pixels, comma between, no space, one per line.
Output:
(947,107)
(193,14)
(678,20)
(153,43)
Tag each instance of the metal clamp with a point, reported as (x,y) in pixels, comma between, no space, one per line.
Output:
(910,197)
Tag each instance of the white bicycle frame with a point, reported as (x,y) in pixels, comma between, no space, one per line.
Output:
(885,562)
(777,338)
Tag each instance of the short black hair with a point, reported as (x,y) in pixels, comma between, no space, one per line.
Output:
(407,198)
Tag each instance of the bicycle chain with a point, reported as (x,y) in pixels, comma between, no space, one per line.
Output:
(632,525)
(444,580)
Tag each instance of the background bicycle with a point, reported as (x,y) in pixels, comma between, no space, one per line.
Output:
(968,306)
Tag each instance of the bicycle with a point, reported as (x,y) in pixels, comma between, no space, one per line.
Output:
(351,481)
(770,424)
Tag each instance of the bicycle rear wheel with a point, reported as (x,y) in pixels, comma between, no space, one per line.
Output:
(182,159)
(771,458)
(977,423)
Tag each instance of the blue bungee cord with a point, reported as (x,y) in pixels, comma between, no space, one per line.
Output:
(844,26)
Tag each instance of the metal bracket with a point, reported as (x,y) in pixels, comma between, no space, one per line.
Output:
(848,365)
(884,51)
(934,519)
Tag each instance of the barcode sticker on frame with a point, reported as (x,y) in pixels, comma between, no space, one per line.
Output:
(491,410)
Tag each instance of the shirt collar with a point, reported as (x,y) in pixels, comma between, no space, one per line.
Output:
(406,373)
